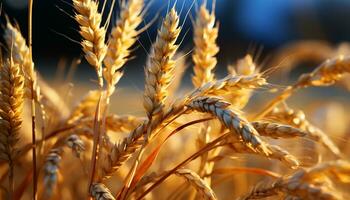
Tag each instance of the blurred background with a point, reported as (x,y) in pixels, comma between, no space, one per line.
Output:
(253,26)
(244,24)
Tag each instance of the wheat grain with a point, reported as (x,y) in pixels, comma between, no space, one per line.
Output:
(123,37)
(93,34)
(232,120)
(205,48)
(161,64)
(199,184)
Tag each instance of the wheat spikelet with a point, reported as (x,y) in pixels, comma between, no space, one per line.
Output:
(205,48)
(231,120)
(123,37)
(11,106)
(161,64)
(93,34)
(327,73)
(297,119)
(199,184)
(276,130)
(100,192)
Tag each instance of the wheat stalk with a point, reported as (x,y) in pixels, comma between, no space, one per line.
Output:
(199,184)
(93,34)
(11,106)
(123,37)
(160,65)
(232,120)
(205,48)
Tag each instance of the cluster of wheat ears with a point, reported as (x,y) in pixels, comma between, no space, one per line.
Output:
(214,149)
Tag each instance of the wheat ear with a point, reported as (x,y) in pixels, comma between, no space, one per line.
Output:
(100,192)
(276,153)
(76,144)
(11,106)
(123,37)
(275,130)
(54,157)
(324,75)
(122,150)
(93,34)
(23,56)
(51,168)
(312,183)
(230,84)
(205,48)
(232,120)
(298,119)
(160,65)
(199,184)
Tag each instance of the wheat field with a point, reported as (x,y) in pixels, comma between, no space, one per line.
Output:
(233,137)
